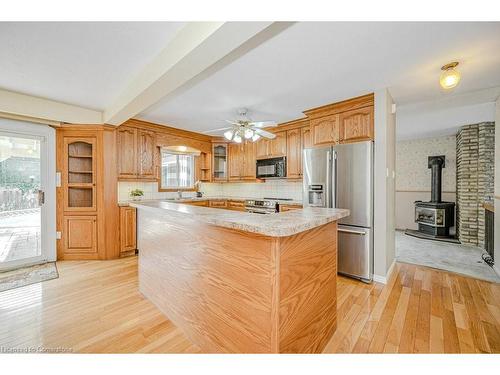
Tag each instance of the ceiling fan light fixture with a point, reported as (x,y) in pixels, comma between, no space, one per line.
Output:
(229,135)
(237,138)
(255,137)
(449,77)
(248,133)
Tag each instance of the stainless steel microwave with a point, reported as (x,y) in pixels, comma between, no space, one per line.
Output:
(271,168)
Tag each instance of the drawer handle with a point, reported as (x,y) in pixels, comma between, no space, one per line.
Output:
(361,233)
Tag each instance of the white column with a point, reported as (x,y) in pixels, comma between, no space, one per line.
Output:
(384,185)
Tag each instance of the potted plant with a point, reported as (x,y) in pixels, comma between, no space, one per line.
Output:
(136,194)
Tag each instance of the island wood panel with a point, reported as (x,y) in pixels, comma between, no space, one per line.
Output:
(232,288)
(222,292)
(308,281)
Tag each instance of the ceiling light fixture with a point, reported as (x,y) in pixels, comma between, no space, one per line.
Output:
(229,135)
(255,137)
(248,133)
(449,77)
(237,138)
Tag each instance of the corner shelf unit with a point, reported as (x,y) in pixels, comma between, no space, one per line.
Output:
(80,181)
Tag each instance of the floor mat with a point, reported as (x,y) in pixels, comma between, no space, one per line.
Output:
(28,275)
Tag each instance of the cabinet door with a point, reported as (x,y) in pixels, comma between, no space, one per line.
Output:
(262,148)
(278,145)
(79,177)
(218,204)
(127,152)
(325,130)
(80,235)
(249,161)
(146,149)
(294,153)
(128,230)
(236,205)
(235,161)
(356,125)
(219,152)
(306,137)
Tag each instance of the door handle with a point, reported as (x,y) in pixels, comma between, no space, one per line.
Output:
(360,233)
(41,197)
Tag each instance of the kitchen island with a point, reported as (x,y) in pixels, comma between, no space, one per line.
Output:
(239,282)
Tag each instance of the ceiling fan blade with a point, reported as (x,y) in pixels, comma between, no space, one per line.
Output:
(233,122)
(217,130)
(263,124)
(265,133)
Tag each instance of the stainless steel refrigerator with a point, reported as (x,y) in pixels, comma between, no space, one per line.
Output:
(342,176)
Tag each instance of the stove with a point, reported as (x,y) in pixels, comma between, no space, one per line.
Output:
(434,218)
(261,206)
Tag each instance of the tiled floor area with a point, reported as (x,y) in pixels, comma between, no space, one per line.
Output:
(19,234)
(462,259)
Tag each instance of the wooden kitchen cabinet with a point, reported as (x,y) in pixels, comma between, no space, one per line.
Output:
(356,125)
(197,203)
(128,231)
(289,207)
(325,130)
(272,148)
(136,154)
(218,203)
(306,137)
(127,152)
(294,153)
(80,236)
(236,205)
(242,161)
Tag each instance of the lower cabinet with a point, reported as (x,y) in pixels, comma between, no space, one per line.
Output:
(197,203)
(218,203)
(289,207)
(128,230)
(236,205)
(80,236)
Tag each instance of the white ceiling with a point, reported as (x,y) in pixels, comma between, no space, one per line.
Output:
(306,65)
(312,64)
(83,63)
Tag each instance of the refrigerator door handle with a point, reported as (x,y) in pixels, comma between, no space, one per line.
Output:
(328,192)
(361,233)
(336,179)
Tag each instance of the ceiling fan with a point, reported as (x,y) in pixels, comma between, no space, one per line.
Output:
(245,128)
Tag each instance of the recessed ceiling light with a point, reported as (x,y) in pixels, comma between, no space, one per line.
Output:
(450,76)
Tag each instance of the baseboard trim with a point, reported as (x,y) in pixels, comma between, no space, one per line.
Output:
(383,279)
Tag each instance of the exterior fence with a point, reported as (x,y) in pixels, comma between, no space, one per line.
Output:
(12,199)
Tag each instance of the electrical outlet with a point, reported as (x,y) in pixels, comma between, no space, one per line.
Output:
(58,235)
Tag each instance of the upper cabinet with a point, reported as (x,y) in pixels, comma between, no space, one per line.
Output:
(294,147)
(242,161)
(342,122)
(136,153)
(325,130)
(356,125)
(219,152)
(271,148)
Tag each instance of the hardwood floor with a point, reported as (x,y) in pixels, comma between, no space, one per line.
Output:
(95,307)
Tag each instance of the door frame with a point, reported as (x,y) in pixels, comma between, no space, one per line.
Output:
(47,136)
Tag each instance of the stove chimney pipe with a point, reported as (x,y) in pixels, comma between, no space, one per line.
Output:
(436,164)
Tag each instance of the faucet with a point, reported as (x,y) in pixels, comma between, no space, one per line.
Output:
(179,194)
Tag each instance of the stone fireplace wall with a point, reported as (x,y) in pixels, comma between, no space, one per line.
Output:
(475,179)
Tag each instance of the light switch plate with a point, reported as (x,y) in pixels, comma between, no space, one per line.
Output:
(58,179)
(58,235)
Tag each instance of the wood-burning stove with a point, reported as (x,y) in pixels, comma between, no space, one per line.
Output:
(434,218)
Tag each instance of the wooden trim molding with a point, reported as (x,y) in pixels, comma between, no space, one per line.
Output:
(343,106)
(160,128)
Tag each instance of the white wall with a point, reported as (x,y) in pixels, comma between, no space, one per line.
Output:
(384,185)
(413,177)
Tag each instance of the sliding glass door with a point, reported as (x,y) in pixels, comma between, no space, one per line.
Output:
(23,219)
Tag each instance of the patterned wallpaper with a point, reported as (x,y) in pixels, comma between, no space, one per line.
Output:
(412,173)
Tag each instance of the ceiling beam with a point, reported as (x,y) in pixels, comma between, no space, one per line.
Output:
(197,47)
(14,103)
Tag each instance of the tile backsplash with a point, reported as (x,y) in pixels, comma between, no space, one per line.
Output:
(270,188)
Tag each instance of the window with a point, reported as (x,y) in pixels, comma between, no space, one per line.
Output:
(177,170)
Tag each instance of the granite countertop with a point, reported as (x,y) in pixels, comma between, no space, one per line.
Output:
(206,198)
(273,225)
